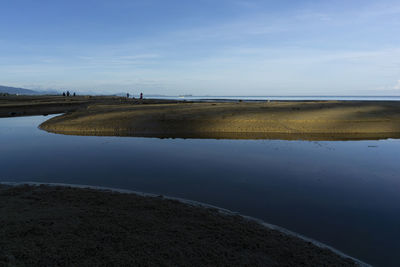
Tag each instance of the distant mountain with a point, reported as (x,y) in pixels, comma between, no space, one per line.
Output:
(23,91)
(15,90)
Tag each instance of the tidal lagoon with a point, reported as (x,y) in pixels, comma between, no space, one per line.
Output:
(342,193)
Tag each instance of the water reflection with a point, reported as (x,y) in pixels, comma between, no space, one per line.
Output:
(345,194)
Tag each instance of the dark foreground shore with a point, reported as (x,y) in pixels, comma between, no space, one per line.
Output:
(60,226)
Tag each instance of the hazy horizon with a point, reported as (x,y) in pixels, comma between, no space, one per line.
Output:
(216,48)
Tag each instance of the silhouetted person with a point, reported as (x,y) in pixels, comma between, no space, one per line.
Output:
(67,93)
(141,96)
(127,95)
(63,93)
(74,94)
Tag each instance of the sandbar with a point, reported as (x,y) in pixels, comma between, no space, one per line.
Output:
(290,120)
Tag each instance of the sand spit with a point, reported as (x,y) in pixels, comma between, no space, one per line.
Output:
(311,120)
(54,225)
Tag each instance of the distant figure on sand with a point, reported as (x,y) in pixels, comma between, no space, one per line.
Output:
(63,93)
(141,95)
(67,93)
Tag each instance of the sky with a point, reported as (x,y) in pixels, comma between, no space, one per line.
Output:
(203,47)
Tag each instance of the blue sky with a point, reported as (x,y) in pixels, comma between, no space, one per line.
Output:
(203,47)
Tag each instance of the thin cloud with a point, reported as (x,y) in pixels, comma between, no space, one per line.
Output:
(397,86)
(381,9)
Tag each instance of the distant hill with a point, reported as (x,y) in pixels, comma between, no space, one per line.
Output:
(23,91)
(15,90)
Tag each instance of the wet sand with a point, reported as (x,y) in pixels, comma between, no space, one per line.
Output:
(308,120)
(59,226)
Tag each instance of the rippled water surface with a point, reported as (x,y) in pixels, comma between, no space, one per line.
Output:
(345,194)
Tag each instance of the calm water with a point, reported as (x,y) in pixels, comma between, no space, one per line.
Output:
(345,194)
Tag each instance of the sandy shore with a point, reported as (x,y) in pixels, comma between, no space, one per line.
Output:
(23,105)
(313,120)
(11,106)
(59,226)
